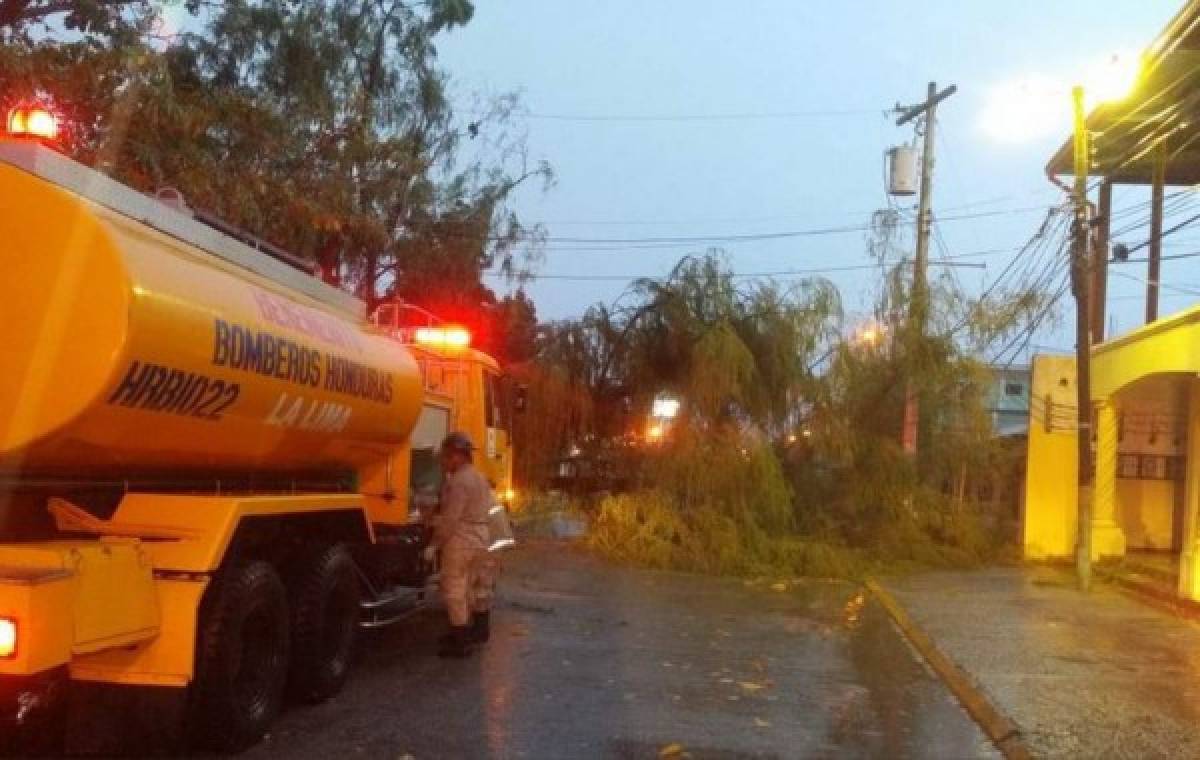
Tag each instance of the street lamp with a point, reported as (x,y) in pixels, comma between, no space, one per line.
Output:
(664,408)
(1035,108)
(1106,85)
(870,335)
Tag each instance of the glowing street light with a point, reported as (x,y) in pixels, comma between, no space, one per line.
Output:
(1039,107)
(869,336)
(1113,80)
(665,408)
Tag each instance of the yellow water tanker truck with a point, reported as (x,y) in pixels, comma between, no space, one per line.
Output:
(207,463)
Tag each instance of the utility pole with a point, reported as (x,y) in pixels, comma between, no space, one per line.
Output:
(919,310)
(1154,267)
(1081,288)
(1102,228)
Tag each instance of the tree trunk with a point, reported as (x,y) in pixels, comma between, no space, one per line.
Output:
(11,11)
(329,262)
(368,290)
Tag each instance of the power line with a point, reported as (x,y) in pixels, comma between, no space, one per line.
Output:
(1034,324)
(1052,226)
(1159,283)
(1176,203)
(820,231)
(1032,278)
(736,275)
(1142,297)
(1169,257)
(747,219)
(1175,228)
(682,247)
(701,117)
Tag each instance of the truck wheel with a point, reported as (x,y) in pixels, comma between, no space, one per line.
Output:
(325,614)
(241,658)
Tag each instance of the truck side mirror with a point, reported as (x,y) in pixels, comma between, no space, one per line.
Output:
(521,398)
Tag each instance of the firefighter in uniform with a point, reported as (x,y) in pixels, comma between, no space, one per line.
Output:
(460,536)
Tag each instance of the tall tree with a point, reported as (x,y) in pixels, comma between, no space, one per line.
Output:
(321,125)
(369,136)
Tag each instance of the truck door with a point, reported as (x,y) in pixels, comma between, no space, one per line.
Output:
(497,431)
(425,473)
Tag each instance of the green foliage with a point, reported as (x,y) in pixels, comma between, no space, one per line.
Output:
(558,414)
(323,126)
(649,529)
(715,503)
(748,352)
(722,369)
(727,471)
(787,456)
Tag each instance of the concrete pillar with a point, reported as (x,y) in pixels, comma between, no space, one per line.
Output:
(1108,540)
(1189,558)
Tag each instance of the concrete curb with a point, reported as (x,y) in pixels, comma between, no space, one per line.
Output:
(1150,594)
(1003,732)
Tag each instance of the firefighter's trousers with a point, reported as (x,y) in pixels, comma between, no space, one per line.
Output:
(468,580)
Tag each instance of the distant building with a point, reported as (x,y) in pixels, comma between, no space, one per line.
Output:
(1008,400)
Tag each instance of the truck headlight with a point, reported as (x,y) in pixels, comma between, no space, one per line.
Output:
(8,638)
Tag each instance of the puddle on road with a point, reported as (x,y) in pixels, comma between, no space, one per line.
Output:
(898,708)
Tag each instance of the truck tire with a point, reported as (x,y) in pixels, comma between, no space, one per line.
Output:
(241,658)
(325,613)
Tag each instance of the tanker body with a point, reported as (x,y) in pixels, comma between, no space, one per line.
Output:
(205,460)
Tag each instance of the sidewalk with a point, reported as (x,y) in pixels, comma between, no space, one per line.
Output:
(1095,676)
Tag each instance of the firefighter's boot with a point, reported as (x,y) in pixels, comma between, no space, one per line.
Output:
(456,643)
(481,628)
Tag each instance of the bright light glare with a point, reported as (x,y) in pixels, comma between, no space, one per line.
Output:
(665,408)
(869,335)
(1023,111)
(8,637)
(30,121)
(1112,80)
(454,337)
(1038,107)
(502,543)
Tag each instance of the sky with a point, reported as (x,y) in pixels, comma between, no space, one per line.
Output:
(622,99)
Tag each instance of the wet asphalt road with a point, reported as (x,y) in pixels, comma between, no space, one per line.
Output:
(588,660)
(1096,675)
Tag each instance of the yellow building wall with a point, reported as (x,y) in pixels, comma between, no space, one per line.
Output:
(1153,411)
(1146,512)
(1049,520)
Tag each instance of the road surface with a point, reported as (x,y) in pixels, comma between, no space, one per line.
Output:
(589,660)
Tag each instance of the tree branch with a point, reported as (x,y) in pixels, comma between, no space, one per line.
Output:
(12,11)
